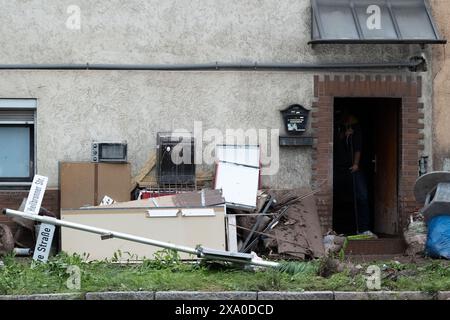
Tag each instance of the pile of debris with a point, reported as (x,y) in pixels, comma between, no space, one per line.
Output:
(234,215)
(286,227)
(276,223)
(187,219)
(415,235)
(433,190)
(22,237)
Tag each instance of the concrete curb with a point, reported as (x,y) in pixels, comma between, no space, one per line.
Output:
(357,295)
(52,296)
(195,295)
(116,295)
(383,295)
(237,295)
(307,295)
(443,295)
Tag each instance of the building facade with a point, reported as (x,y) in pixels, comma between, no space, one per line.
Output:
(441,87)
(73,104)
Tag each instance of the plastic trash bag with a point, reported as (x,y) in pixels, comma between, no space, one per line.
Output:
(438,242)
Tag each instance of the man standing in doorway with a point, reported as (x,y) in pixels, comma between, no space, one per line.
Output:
(352,138)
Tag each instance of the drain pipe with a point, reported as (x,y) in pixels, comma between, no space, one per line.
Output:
(414,64)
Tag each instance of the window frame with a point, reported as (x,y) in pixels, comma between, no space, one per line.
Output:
(21,105)
(8,180)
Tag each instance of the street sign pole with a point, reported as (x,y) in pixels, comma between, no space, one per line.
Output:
(46,231)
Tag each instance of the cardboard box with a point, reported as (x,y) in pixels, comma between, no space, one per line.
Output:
(86,183)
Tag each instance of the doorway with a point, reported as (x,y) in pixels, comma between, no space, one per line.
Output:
(379,123)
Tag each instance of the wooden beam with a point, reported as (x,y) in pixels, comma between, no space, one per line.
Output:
(146,169)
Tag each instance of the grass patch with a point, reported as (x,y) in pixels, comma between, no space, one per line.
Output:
(167,272)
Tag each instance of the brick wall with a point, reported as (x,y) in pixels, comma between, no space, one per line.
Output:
(326,88)
(12,199)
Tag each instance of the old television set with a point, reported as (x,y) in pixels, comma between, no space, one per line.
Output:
(109,151)
(175,159)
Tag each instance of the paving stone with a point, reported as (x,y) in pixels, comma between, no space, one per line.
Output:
(443,295)
(400,295)
(117,295)
(342,295)
(309,295)
(53,296)
(195,295)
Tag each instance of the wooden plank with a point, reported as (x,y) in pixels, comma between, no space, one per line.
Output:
(204,175)
(151,181)
(145,170)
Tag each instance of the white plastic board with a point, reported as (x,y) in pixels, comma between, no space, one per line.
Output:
(239,184)
(245,154)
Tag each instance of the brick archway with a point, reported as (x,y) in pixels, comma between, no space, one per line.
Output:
(326,89)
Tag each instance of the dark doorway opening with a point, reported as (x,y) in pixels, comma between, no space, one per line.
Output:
(377,120)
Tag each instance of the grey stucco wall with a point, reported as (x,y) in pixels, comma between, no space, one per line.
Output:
(172,31)
(76,107)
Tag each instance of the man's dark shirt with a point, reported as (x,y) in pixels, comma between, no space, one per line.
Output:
(346,145)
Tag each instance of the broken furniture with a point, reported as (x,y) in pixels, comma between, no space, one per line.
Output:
(172,225)
(86,183)
(288,228)
(433,189)
(191,219)
(190,199)
(25,235)
(250,240)
(238,175)
(239,184)
(199,251)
